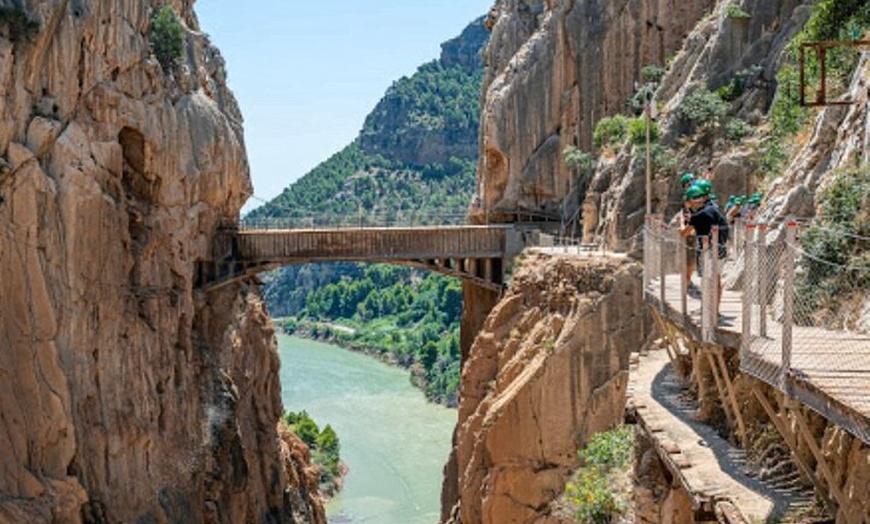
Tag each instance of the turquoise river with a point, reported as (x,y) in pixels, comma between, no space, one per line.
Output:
(394,442)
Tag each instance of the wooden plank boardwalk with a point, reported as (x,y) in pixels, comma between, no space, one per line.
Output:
(830,370)
(711,469)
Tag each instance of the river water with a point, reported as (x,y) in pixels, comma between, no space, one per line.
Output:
(394,441)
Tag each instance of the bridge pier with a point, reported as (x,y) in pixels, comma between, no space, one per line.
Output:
(477,302)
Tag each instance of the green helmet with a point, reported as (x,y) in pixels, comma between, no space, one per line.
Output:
(693,192)
(705,185)
(686,178)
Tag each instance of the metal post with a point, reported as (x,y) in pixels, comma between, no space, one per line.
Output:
(714,275)
(761,259)
(647,256)
(788,296)
(648,160)
(705,290)
(662,283)
(748,289)
(684,282)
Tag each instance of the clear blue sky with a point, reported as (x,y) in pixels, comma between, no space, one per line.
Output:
(307,73)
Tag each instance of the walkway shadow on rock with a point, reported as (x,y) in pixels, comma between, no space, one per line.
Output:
(668,392)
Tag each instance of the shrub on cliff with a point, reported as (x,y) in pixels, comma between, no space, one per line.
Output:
(610,130)
(703,110)
(324,444)
(167,37)
(834,260)
(594,491)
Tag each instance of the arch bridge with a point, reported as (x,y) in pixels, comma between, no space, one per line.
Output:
(475,254)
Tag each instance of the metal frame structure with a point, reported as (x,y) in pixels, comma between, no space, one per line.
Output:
(821,48)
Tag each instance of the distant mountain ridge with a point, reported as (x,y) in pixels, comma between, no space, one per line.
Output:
(414,161)
(420,138)
(434,114)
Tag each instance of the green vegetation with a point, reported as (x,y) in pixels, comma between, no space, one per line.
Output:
(352,182)
(594,492)
(17,23)
(662,159)
(579,161)
(167,37)
(637,131)
(397,312)
(652,73)
(739,83)
(836,260)
(703,110)
(324,444)
(735,12)
(435,98)
(737,129)
(829,20)
(610,130)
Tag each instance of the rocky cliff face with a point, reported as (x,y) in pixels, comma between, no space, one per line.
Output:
(548,370)
(126,395)
(553,68)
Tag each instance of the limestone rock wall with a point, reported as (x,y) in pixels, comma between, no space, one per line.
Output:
(125,395)
(554,68)
(549,369)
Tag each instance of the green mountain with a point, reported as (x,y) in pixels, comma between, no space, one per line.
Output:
(413,163)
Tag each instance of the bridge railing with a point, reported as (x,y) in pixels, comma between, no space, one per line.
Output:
(669,259)
(790,300)
(406,218)
(795,302)
(335,221)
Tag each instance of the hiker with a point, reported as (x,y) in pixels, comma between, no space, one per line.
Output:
(706,215)
(680,220)
(751,208)
(686,180)
(736,209)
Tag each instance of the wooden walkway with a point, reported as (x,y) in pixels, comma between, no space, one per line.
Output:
(831,375)
(712,471)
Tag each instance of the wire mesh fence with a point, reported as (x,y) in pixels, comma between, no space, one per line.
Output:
(671,262)
(795,304)
(802,312)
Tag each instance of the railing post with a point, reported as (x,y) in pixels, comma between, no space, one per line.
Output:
(748,288)
(662,272)
(682,266)
(647,256)
(706,267)
(788,296)
(714,275)
(761,259)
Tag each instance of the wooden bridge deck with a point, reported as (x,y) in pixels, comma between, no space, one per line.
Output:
(830,370)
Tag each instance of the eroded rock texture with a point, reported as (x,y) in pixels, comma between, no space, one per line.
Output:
(554,68)
(548,370)
(126,395)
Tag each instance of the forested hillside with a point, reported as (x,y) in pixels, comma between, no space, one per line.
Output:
(413,163)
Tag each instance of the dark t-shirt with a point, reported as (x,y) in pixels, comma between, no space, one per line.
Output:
(705,218)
